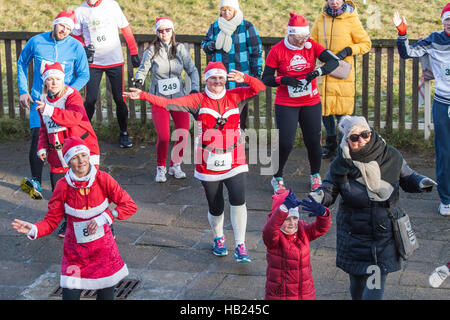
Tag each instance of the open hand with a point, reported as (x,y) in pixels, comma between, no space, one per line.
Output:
(25,100)
(400,23)
(237,76)
(315,208)
(133,94)
(21,226)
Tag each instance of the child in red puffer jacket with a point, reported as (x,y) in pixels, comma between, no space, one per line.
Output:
(288,275)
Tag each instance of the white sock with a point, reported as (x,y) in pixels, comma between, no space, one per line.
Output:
(238,217)
(216,223)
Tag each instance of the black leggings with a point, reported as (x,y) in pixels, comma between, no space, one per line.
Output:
(214,192)
(310,120)
(75,294)
(115,76)
(36,164)
(54,177)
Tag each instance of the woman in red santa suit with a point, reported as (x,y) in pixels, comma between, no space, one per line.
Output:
(220,155)
(91,259)
(62,115)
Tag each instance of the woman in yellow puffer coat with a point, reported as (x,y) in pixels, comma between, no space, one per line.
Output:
(345,37)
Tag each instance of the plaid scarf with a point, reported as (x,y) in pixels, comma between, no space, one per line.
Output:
(337,12)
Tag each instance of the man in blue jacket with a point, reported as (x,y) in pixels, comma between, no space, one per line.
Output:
(48,48)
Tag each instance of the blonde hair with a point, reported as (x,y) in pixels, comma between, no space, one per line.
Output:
(228,8)
(60,93)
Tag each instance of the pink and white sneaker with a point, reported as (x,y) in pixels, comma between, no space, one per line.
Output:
(316,181)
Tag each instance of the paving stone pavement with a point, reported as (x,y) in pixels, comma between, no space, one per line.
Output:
(167,243)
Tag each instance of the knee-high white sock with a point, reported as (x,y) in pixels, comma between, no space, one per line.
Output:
(216,223)
(238,217)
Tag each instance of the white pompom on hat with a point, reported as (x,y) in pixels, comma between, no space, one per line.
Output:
(66,17)
(215,69)
(298,25)
(73,146)
(445,12)
(53,70)
(229,3)
(164,21)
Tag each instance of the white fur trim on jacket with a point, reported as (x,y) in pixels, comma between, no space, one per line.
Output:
(93,284)
(89,213)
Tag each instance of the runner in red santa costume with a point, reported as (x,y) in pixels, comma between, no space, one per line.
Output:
(91,259)
(62,116)
(297,99)
(220,155)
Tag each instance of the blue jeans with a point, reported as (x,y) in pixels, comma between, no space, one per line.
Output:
(441,120)
(360,291)
(330,125)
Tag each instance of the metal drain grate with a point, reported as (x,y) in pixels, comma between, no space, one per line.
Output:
(121,291)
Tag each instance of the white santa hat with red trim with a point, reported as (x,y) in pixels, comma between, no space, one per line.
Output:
(298,25)
(164,21)
(229,3)
(73,146)
(66,17)
(53,70)
(445,12)
(215,69)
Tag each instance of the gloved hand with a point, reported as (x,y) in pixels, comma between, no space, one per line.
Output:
(400,23)
(193,91)
(310,76)
(139,83)
(426,184)
(347,51)
(291,81)
(291,200)
(211,47)
(318,195)
(135,61)
(314,207)
(90,50)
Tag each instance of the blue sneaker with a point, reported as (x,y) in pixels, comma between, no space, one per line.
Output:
(219,248)
(32,187)
(240,253)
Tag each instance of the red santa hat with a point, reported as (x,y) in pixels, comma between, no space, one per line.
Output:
(73,146)
(164,21)
(53,70)
(445,12)
(298,25)
(215,69)
(66,17)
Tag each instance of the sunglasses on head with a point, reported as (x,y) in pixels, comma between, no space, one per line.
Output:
(164,30)
(355,137)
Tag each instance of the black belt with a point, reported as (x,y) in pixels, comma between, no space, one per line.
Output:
(219,150)
(59,146)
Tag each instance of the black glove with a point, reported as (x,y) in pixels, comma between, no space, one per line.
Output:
(193,91)
(211,46)
(347,51)
(135,61)
(291,81)
(310,76)
(137,83)
(426,184)
(90,50)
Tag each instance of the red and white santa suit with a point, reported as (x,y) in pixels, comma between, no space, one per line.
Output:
(220,153)
(89,261)
(61,118)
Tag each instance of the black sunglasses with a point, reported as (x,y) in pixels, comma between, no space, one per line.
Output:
(355,137)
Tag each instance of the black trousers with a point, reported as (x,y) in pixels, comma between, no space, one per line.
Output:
(116,78)
(214,192)
(75,294)
(310,120)
(36,164)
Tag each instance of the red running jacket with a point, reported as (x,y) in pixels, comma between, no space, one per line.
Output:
(288,275)
(219,151)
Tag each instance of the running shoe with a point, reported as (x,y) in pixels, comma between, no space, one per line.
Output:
(444,209)
(240,253)
(62,230)
(161,174)
(176,171)
(438,276)
(125,141)
(316,182)
(219,248)
(32,187)
(278,185)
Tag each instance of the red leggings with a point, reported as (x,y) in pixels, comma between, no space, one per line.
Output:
(161,121)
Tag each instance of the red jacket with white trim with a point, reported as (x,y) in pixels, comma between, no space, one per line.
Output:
(62,118)
(220,153)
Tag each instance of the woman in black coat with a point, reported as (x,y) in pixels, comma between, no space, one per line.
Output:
(367,174)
